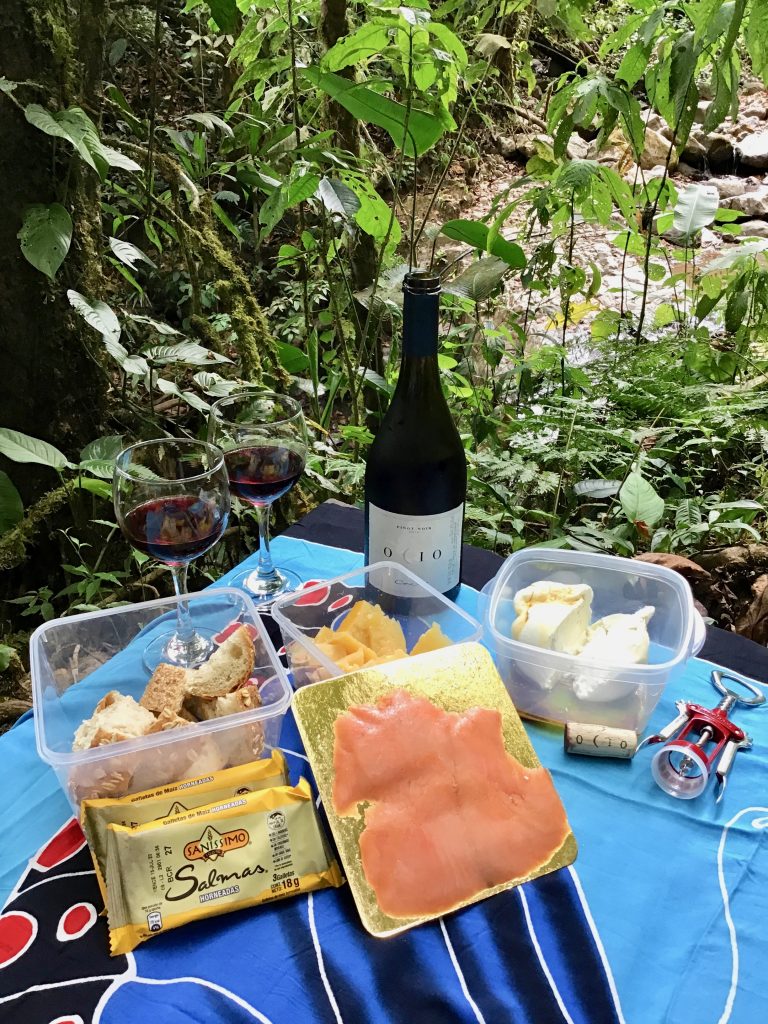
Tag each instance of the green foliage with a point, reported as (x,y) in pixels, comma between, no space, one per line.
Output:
(45,237)
(585,423)
(412,130)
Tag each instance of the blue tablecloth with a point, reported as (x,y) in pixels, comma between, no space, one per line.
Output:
(661,919)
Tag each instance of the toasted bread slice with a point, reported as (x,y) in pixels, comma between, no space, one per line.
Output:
(116,717)
(242,699)
(226,669)
(165,690)
(168,719)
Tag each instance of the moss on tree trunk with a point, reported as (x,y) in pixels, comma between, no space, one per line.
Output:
(52,387)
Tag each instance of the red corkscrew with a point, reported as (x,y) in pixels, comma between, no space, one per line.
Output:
(699,739)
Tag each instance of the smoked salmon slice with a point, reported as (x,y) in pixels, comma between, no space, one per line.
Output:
(450,813)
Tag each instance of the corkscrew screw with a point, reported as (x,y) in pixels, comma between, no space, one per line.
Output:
(702,738)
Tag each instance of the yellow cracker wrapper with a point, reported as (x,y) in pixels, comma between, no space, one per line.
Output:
(253,849)
(175,798)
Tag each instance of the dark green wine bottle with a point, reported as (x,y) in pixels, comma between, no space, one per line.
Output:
(416,475)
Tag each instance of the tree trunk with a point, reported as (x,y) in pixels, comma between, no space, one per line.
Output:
(333,27)
(52,388)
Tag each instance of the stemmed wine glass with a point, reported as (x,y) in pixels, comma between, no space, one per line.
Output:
(172,502)
(264,439)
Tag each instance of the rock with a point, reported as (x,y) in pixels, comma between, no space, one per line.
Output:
(656,150)
(690,570)
(690,172)
(694,152)
(753,149)
(753,204)
(577,148)
(701,111)
(506,145)
(754,229)
(752,86)
(720,152)
(757,107)
(729,187)
(746,126)
(657,124)
(706,92)
(754,622)
(677,237)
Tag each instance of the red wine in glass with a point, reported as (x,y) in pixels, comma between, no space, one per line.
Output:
(171,499)
(175,529)
(263,473)
(264,439)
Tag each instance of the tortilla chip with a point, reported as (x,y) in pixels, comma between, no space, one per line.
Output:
(368,624)
(431,640)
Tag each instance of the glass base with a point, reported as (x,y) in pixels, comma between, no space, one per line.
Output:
(168,647)
(264,589)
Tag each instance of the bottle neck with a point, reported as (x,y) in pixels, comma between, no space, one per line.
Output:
(420,324)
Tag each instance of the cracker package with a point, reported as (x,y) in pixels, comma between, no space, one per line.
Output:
(253,849)
(175,798)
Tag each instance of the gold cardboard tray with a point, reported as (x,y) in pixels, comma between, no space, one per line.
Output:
(455,679)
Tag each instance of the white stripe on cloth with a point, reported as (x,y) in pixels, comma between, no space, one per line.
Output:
(320,960)
(598,944)
(460,974)
(759,823)
(540,955)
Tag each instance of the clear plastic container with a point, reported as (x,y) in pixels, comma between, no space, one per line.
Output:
(76,660)
(301,615)
(555,687)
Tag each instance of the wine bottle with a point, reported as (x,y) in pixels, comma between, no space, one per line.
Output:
(416,475)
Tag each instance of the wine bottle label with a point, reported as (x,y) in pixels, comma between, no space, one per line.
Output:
(430,546)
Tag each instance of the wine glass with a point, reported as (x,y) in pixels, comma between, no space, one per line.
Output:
(264,439)
(172,502)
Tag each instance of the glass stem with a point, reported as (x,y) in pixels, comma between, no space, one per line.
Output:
(266,568)
(184,629)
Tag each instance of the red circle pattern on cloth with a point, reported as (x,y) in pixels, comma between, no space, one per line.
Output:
(17,933)
(76,921)
(65,844)
(319,597)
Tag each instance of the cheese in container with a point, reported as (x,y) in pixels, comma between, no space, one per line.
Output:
(583,637)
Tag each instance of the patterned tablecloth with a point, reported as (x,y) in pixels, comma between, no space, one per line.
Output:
(661,919)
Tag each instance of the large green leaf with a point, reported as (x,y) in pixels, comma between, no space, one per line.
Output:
(45,237)
(640,501)
(98,315)
(22,448)
(74,125)
(212,122)
(169,387)
(756,37)
(107,447)
(489,44)
(215,385)
(129,254)
(478,281)
(292,359)
(696,208)
(225,14)
(11,505)
(337,197)
(415,132)
(370,39)
(100,488)
(184,352)
(102,318)
(472,232)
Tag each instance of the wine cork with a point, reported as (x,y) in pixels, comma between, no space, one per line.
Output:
(598,740)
